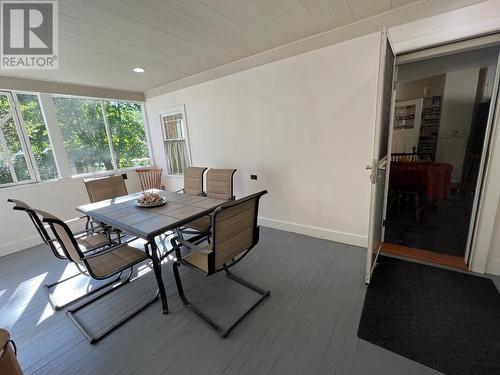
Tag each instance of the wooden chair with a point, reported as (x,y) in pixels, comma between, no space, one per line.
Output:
(408,179)
(219,186)
(9,364)
(111,262)
(150,178)
(404,156)
(89,240)
(234,234)
(103,188)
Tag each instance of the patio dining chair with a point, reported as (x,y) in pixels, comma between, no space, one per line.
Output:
(193,181)
(234,234)
(150,178)
(105,264)
(9,364)
(89,240)
(103,188)
(219,186)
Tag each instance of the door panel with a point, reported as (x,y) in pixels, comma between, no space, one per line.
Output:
(380,163)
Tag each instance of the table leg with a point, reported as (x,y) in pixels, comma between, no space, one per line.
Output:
(157,270)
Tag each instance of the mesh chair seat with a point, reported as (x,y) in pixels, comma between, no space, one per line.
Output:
(110,263)
(93,241)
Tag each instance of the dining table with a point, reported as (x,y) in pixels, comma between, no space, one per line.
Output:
(148,223)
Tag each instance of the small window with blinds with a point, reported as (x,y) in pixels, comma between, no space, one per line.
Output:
(175,139)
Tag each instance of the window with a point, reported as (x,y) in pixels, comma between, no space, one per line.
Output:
(84,134)
(13,163)
(175,139)
(127,134)
(38,136)
(89,135)
(102,136)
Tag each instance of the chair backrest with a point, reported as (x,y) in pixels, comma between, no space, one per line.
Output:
(234,228)
(408,176)
(35,219)
(150,178)
(404,156)
(193,180)
(220,183)
(64,236)
(103,188)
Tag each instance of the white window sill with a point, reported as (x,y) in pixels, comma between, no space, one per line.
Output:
(28,184)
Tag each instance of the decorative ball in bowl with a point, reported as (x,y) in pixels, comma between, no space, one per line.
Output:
(148,199)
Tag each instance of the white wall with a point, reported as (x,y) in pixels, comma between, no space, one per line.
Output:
(304,125)
(58,197)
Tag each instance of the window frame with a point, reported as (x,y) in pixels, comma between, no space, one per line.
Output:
(24,142)
(54,130)
(107,128)
(175,110)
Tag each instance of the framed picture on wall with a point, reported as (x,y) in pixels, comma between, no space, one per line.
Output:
(404,117)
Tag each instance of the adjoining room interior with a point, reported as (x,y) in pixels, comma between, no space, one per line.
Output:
(250,187)
(440,120)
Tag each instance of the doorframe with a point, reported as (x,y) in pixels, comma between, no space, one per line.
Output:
(481,179)
(376,163)
(488,196)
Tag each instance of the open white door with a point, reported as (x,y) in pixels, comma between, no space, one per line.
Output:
(380,162)
(482,165)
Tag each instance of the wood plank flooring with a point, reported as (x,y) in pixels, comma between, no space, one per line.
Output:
(307,326)
(432,257)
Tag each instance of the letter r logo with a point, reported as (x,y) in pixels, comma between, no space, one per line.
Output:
(27,28)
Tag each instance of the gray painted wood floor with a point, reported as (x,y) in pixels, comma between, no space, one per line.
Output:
(307,326)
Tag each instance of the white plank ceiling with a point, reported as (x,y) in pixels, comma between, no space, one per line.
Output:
(101,41)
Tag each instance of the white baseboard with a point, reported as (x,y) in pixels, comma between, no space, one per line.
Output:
(24,243)
(327,234)
(15,246)
(493,267)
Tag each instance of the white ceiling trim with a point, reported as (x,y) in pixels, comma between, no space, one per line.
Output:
(391,18)
(31,85)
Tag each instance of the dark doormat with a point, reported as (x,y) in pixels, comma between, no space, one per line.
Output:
(446,320)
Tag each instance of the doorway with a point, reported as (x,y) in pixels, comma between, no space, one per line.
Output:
(439,131)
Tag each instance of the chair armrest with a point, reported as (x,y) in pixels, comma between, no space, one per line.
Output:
(75,219)
(192,246)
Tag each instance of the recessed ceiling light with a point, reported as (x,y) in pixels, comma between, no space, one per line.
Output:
(139,70)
